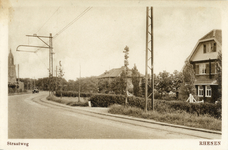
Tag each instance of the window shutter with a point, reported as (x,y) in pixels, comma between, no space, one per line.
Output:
(197,69)
(207,68)
(212,67)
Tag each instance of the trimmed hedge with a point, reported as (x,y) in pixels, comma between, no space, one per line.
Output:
(161,106)
(73,94)
(105,100)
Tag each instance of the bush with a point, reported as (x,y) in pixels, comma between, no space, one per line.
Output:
(72,94)
(161,106)
(105,100)
(180,118)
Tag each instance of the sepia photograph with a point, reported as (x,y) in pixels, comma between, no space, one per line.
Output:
(113,75)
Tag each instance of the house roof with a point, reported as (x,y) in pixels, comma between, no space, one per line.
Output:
(116,72)
(217,34)
(212,35)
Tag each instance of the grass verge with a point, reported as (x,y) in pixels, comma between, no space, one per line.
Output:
(67,101)
(178,117)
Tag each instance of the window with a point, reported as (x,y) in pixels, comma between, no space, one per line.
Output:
(202,69)
(200,91)
(208,91)
(204,48)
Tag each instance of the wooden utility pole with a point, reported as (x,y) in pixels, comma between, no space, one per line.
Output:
(149,23)
(18,79)
(79,84)
(56,80)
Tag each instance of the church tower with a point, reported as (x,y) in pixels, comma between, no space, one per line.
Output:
(11,68)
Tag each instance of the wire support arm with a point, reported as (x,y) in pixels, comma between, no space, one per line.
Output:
(17,49)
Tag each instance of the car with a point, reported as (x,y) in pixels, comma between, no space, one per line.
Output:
(35,91)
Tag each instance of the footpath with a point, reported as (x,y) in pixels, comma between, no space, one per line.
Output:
(104,111)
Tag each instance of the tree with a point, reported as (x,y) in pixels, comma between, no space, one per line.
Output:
(87,84)
(126,53)
(177,80)
(219,74)
(188,80)
(136,81)
(61,74)
(163,83)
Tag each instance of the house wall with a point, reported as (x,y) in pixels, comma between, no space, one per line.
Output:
(213,97)
(199,54)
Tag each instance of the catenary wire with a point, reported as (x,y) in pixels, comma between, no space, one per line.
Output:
(72,22)
(48,19)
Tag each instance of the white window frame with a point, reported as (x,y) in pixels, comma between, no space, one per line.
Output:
(208,91)
(202,68)
(200,91)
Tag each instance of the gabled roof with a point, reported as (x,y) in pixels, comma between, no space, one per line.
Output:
(212,35)
(115,73)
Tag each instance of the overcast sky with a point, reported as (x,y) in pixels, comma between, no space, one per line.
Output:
(97,40)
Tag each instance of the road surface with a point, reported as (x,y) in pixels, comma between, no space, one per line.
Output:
(30,118)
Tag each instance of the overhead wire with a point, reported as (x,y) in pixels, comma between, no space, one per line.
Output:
(48,19)
(72,22)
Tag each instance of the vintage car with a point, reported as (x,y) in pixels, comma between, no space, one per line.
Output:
(35,91)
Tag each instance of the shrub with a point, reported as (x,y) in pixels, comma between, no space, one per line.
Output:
(105,100)
(72,94)
(161,106)
(180,118)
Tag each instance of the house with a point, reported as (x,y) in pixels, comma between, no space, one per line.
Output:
(12,79)
(203,58)
(110,75)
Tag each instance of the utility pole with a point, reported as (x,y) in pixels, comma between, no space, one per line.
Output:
(48,46)
(18,79)
(149,24)
(56,81)
(79,84)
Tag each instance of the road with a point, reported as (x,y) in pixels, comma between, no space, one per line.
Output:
(30,118)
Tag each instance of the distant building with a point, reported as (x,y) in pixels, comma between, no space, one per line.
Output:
(203,58)
(12,78)
(116,72)
(11,69)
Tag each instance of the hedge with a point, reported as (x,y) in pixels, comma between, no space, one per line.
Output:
(161,106)
(73,94)
(198,108)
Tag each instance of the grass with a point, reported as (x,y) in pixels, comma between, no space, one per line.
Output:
(178,117)
(69,101)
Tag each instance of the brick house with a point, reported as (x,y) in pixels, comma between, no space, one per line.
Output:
(203,58)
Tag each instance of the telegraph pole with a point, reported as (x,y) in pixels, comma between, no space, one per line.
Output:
(56,80)
(79,84)
(18,79)
(149,24)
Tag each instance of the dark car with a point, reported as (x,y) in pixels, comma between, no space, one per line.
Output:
(35,91)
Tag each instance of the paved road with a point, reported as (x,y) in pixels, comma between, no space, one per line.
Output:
(29,118)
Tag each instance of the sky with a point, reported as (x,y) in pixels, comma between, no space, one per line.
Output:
(96,41)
